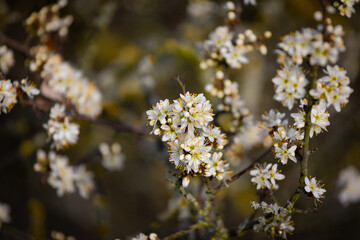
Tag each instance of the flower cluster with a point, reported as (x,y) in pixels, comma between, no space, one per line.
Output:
(64,177)
(60,129)
(6,59)
(185,125)
(318,117)
(290,83)
(7,96)
(264,176)
(276,221)
(112,158)
(283,137)
(71,83)
(141,236)
(346,7)
(313,187)
(309,44)
(349,182)
(332,89)
(224,47)
(47,22)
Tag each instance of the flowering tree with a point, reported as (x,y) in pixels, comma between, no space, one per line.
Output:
(206,134)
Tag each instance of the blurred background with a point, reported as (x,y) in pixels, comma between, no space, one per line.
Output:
(133,49)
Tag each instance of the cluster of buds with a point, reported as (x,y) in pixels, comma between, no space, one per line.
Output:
(71,84)
(276,221)
(47,22)
(64,177)
(193,142)
(62,132)
(225,48)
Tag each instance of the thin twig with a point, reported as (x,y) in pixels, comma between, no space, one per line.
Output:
(182,85)
(15,45)
(239,174)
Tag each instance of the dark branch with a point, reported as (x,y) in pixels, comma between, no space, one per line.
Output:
(242,172)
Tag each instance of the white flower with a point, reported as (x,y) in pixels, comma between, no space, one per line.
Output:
(63,133)
(333,89)
(62,175)
(274,119)
(235,56)
(84,180)
(112,158)
(29,88)
(290,84)
(217,167)
(4,213)
(349,183)
(265,176)
(275,175)
(284,153)
(57,111)
(313,187)
(71,83)
(6,59)
(7,96)
(319,119)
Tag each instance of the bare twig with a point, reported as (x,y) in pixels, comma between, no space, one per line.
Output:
(182,85)
(11,43)
(239,174)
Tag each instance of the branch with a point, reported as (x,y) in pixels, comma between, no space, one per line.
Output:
(194,227)
(43,104)
(15,45)
(182,85)
(242,172)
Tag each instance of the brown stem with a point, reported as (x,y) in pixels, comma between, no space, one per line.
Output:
(239,174)
(15,45)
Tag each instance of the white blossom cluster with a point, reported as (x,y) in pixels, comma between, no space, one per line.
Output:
(312,186)
(73,85)
(4,213)
(63,177)
(290,83)
(349,183)
(48,22)
(346,7)
(332,89)
(284,137)
(276,220)
(142,236)
(264,176)
(224,47)
(10,90)
(112,158)
(309,45)
(7,96)
(6,59)
(185,125)
(318,116)
(60,129)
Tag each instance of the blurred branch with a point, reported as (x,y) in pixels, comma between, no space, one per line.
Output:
(18,47)
(43,105)
(242,172)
